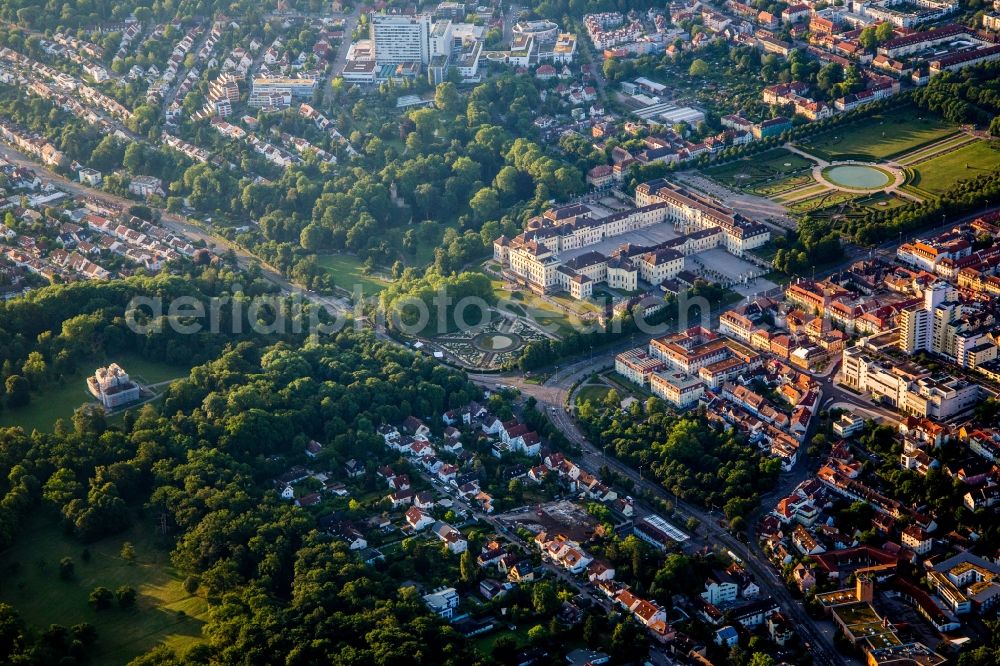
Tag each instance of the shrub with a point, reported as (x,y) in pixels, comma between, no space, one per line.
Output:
(101,598)
(66,568)
(125,595)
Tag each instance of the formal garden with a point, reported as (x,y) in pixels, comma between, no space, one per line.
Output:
(491,345)
(906,149)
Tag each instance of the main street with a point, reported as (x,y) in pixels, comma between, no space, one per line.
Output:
(336,68)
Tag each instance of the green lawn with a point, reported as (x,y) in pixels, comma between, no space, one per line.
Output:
(484,644)
(346,272)
(59,400)
(880,136)
(801,192)
(917,155)
(767,172)
(164,614)
(831,198)
(785,185)
(940,174)
(593,393)
(527,304)
(883,201)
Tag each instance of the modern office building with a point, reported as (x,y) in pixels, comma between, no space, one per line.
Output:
(266,89)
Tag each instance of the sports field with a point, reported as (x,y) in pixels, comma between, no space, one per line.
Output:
(880,136)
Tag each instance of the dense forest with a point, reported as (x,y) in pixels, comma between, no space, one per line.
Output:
(411,298)
(55,15)
(46,335)
(460,165)
(969,96)
(202,462)
(689,458)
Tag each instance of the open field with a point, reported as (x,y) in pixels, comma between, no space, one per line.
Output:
(346,272)
(880,137)
(940,174)
(59,400)
(933,149)
(769,172)
(164,614)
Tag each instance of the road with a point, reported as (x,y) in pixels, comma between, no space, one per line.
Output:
(553,395)
(350,23)
(595,62)
(509,19)
(182,71)
(179,225)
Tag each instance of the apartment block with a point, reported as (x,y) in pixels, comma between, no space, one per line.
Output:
(637,366)
(399,38)
(677,388)
(909,389)
(265,89)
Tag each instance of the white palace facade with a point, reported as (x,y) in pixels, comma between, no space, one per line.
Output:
(532,258)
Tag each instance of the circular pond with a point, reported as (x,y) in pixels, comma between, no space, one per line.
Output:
(857,176)
(497,342)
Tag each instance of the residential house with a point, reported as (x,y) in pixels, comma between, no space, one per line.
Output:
(442,602)
(417,519)
(720,588)
(454,540)
(727,636)
(917,539)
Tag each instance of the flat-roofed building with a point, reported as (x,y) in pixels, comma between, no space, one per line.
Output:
(266,87)
(967,583)
(401,38)
(678,389)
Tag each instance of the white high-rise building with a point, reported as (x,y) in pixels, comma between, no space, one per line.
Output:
(400,38)
(922,327)
(441,39)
